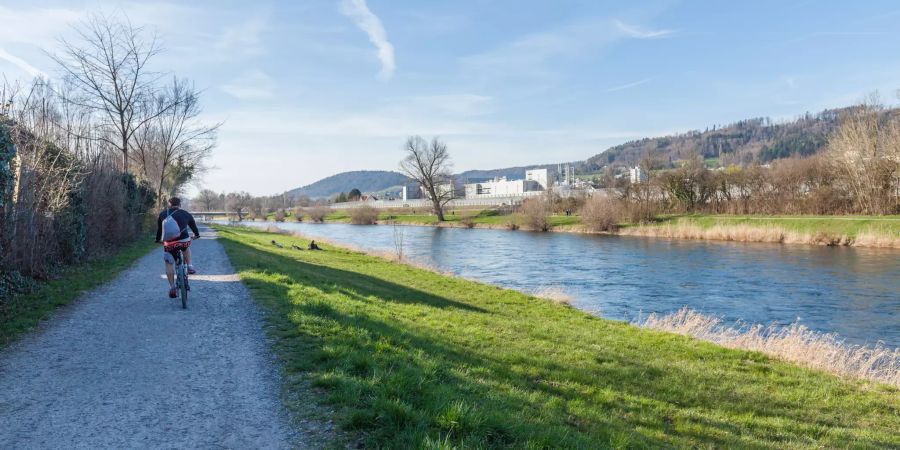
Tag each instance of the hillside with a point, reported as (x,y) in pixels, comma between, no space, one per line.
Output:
(744,142)
(364,180)
(747,141)
(387,181)
(509,172)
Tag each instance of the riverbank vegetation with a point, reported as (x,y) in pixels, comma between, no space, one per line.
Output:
(86,158)
(409,358)
(599,215)
(794,343)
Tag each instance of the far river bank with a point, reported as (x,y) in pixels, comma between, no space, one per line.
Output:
(845,231)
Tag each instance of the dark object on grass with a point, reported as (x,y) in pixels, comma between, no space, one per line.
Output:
(277,244)
(295,247)
(313,246)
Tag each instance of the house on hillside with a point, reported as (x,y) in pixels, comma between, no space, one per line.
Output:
(638,175)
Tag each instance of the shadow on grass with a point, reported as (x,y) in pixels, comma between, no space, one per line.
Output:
(402,381)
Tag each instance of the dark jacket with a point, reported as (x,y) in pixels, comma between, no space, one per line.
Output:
(184,219)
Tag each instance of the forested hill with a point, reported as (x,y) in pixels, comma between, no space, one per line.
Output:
(509,172)
(364,180)
(744,142)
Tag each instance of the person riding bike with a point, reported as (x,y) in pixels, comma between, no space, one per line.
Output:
(181,241)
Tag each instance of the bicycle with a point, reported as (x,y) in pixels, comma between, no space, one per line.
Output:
(181,276)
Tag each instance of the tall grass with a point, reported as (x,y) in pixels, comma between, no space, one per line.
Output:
(794,343)
(363,215)
(687,229)
(555,294)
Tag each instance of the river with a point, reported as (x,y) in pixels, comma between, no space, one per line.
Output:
(854,292)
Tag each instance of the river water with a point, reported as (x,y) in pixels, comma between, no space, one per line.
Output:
(854,292)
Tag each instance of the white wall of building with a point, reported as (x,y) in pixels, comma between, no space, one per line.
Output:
(538,175)
(638,175)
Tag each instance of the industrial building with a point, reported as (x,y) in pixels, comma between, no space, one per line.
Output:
(535,181)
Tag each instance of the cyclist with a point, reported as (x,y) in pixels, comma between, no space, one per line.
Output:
(185,220)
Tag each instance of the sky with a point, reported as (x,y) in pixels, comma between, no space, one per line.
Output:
(307,89)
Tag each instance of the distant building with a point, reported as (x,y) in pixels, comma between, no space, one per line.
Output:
(535,180)
(565,174)
(638,175)
(540,176)
(442,189)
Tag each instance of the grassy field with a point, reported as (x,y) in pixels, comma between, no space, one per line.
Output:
(409,358)
(836,225)
(25,311)
(483,217)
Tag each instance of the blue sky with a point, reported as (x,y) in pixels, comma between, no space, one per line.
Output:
(309,89)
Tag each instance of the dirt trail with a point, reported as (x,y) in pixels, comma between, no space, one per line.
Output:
(126,367)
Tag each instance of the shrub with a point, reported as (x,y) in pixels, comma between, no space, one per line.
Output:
(298,214)
(640,212)
(536,213)
(467,219)
(512,223)
(317,213)
(279,215)
(363,215)
(601,213)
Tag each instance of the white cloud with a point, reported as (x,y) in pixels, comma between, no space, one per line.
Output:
(251,85)
(457,104)
(21,64)
(359,13)
(629,85)
(244,39)
(532,54)
(36,26)
(636,32)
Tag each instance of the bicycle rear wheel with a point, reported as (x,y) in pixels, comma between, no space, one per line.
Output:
(184,285)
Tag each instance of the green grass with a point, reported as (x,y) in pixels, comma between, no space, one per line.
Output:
(836,225)
(483,217)
(25,311)
(833,225)
(408,358)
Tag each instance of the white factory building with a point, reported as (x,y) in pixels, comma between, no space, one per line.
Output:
(535,181)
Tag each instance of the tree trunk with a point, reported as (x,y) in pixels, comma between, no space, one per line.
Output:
(438,210)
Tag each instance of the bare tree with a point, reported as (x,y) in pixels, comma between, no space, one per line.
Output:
(208,199)
(109,68)
(865,154)
(175,143)
(240,203)
(429,164)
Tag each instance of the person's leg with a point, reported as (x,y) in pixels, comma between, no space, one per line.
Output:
(170,274)
(187,260)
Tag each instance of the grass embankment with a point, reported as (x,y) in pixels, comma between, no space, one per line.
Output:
(860,231)
(24,312)
(413,359)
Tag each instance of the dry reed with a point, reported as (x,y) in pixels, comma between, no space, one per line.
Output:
(555,294)
(793,343)
(762,233)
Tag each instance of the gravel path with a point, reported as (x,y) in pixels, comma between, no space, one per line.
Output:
(126,367)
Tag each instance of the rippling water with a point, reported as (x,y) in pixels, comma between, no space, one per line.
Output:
(854,292)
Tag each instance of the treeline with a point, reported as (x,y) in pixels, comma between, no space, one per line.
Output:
(752,141)
(858,172)
(242,205)
(85,158)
